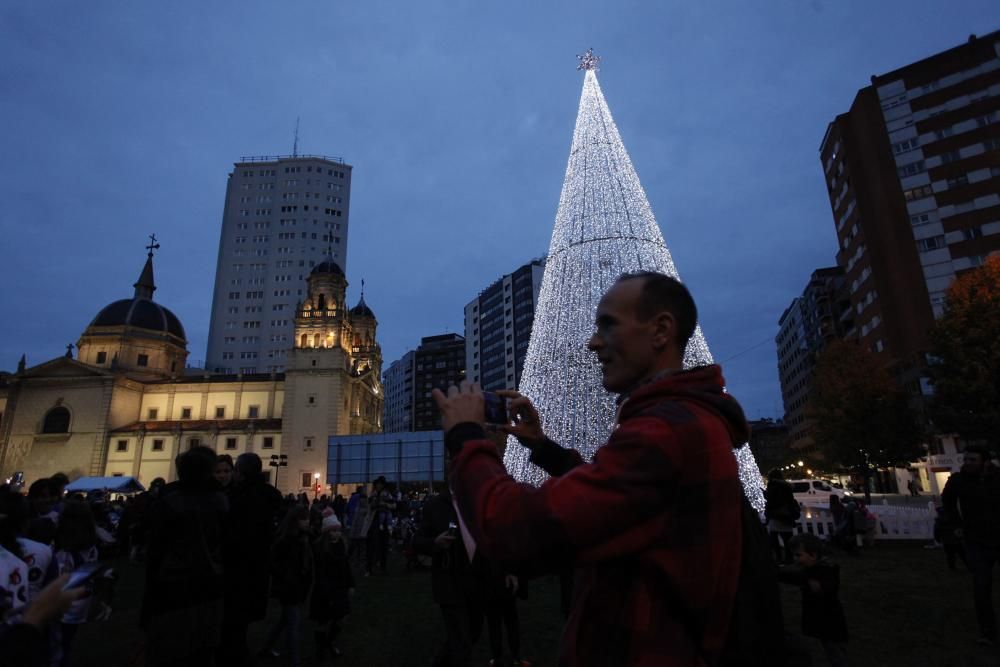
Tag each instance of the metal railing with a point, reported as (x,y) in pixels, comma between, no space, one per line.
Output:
(274,158)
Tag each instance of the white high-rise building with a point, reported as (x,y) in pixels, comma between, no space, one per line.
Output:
(282,215)
(398,384)
(498,327)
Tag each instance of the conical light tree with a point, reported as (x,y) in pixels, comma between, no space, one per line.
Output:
(604,228)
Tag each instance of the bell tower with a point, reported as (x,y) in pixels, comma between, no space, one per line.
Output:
(332,377)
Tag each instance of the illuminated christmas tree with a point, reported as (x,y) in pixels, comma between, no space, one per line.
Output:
(604,228)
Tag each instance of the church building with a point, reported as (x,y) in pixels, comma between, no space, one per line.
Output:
(127,405)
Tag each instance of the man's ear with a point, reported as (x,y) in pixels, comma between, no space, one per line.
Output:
(664,329)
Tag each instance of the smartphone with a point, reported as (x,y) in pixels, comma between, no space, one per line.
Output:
(496,408)
(83,574)
(452,529)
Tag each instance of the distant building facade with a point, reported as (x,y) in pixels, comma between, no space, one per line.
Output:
(913,173)
(439,362)
(282,216)
(398,383)
(498,327)
(770,444)
(821,314)
(124,406)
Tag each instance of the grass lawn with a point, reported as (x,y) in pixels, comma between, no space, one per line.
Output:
(903,608)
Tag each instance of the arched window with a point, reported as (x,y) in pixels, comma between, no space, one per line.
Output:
(304,341)
(56,421)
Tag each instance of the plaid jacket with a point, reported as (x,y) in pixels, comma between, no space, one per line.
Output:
(652,524)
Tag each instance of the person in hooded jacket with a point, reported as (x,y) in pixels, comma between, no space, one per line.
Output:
(654,522)
(334,584)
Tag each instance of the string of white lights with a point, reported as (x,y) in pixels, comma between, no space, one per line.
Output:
(604,227)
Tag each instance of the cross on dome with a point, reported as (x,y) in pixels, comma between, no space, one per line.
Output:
(153,245)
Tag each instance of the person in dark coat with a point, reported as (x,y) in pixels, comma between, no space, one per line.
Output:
(334,584)
(182,602)
(819,580)
(944,534)
(382,506)
(291,579)
(971,501)
(253,505)
(456,583)
(501,592)
(781,512)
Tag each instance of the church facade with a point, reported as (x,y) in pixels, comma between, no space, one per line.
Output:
(125,405)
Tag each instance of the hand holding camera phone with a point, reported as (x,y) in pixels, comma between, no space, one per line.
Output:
(496,408)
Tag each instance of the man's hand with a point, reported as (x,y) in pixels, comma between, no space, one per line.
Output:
(443,541)
(525,424)
(463,403)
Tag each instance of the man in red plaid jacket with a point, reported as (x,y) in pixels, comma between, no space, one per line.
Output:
(653,522)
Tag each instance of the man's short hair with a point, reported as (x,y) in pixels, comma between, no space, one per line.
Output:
(662,293)
(196,465)
(249,464)
(42,487)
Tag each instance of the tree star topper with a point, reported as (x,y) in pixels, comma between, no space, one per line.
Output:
(588,61)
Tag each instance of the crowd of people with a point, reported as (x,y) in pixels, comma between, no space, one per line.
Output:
(661,558)
(216,546)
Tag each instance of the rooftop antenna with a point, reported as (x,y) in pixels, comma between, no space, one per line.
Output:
(295,146)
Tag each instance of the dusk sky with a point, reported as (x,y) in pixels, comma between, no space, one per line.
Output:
(123,119)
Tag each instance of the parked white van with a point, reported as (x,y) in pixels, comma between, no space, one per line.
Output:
(805,488)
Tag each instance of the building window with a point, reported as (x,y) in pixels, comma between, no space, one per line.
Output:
(230,443)
(220,412)
(918,193)
(932,243)
(56,421)
(312,399)
(157,445)
(142,360)
(268,442)
(308,443)
(307,479)
(152,414)
(102,357)
(253,412)
(194,442)
(122,446)
(185,413)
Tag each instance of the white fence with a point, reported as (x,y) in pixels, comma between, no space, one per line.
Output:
(892,522)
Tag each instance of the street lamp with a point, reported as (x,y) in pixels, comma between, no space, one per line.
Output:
(278,461)
(315,485)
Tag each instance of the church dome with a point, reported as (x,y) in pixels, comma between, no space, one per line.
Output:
(141,313)
(327,266)
(362,310)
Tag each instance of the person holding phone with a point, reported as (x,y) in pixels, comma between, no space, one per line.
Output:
(653,523)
